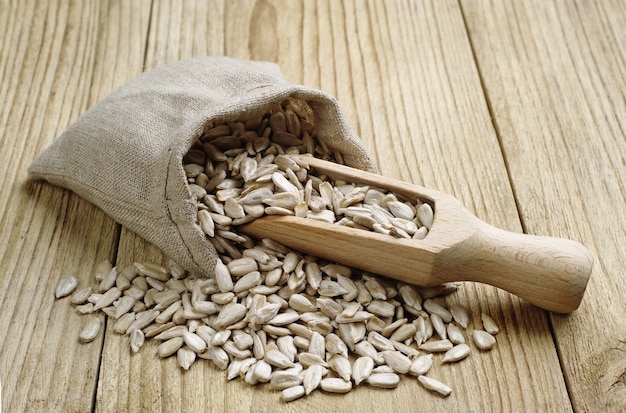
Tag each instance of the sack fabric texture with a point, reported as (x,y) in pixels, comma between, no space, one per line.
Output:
(125,153)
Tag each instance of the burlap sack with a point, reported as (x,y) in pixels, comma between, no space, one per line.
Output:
(125,153)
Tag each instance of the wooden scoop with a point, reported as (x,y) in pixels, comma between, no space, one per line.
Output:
(551,273)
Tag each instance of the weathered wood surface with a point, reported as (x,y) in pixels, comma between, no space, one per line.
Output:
(515,108)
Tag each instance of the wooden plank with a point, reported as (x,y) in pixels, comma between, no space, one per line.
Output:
(48,56)
(554,75)
(404,73)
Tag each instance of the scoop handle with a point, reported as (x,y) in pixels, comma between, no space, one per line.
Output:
(551,273)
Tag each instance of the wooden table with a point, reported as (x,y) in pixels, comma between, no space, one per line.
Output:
(516,108)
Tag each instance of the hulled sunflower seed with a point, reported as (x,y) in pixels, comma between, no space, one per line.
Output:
(455,335)
(124,305)
(123,323)
(397,361)
(436,346)
(341,365)
(384,380)
(85,308)
(312,378)
(169,347)
(335,385)
(483,339)
(90,330)
(194,342)
(278,359)
(230,314)
(292,393)
(66,286)
(434,385)
(489,324)
(362,369)
(108,298)
(185,357)
(137,339)
(456,353)
(284,379)
(421,365)
(81,296)
(434,307)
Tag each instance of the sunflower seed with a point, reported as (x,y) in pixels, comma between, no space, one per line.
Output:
(310,359)
(230,314)
(278,359)
(460,315)
(81,296)
(156,271)
(436,346)
(142,320)
(108,298)
(194,342)
(206,222)
(312,378)
(434,307)
(341,365)
(456,353)
(317,344)
(489,324)
(185,357)
(397,361)
(66,286)
(425,215)
(137,339)
(434,385)
(421,365)
(483,339)
(380,342)
(292,393)
(336,385)
(384,380)
(439,326)
(108,280)
(124,305)
(90,330)
(362,369)
(366,349)
(403,332)
(284,379)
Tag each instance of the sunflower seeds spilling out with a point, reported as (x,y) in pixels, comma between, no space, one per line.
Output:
(273,315)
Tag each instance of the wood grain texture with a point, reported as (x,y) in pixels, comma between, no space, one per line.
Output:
(512,107)
(47,61)
(554,75)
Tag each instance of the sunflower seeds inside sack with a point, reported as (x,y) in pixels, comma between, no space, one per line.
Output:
(240,170)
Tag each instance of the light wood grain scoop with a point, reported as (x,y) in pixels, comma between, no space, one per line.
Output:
(551,273)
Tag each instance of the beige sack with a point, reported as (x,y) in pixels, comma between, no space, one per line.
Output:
(125,153)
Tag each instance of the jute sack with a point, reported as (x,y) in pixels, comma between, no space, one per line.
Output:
(125,153)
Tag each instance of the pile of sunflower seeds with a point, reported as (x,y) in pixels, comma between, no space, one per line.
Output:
(273,315)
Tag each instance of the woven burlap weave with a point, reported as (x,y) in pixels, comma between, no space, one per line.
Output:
(125,153)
